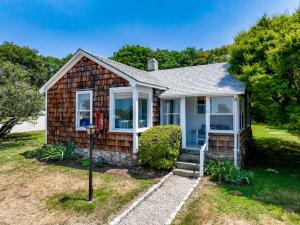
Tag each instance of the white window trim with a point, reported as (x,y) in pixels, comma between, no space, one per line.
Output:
(167,113)
(149,108)
(90,92)
(222,114)
(196,106)
(112,92)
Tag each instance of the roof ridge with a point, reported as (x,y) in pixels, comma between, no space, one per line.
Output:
(109,59)
(184,67)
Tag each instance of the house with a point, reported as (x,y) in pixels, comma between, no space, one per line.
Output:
(209,104)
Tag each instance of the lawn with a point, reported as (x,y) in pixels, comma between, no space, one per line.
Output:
(274,197)
(32,192)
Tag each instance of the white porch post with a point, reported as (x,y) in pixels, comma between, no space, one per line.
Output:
(207,118)
(183,121)
(135,115)
(236,128)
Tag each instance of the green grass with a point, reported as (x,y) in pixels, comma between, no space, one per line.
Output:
(273,198)
(111,192)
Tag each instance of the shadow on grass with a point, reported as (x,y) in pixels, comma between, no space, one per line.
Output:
(277,152)
(18,140)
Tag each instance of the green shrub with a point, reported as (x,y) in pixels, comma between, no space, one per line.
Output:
(225,171)
(52,152)
(160,146)
(85,162)
(69,150)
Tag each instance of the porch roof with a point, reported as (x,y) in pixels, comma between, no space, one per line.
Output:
(210,79)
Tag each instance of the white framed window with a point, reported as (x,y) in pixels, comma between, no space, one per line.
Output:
(121,109)
(221,113)
(144,109)
(171,111)
(200,105)
(84,109)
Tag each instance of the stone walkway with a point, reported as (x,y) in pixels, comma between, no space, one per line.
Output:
(157,208)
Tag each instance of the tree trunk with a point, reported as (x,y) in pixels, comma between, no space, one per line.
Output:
(7,126)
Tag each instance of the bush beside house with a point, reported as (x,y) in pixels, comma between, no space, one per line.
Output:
(160,146)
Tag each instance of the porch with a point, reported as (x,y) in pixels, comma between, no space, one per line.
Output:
(213,120)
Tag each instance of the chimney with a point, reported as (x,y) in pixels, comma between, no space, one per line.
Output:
(152,64)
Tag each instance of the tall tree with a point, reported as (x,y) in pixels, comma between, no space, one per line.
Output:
(266,58)
(19,101)
(134,55)
(40,69)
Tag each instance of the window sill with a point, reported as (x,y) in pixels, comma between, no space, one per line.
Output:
(141,130)
(80,129)
(121,131)
(221,131)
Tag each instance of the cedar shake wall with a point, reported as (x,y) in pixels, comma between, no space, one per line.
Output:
(156,107)
(245,139)
(220,143)
(86,74)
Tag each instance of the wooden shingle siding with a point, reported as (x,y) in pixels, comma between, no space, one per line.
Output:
(156,107)
(85,74)
(245,139)
(219,143)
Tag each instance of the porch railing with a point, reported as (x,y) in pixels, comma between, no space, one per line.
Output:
(201,164)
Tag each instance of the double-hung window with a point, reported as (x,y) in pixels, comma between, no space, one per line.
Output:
(84,106)
(171,111)
(221,113)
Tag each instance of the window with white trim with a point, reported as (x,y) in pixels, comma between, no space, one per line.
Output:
(200,109)
(221,113)
(144,110)
(121,109)
(122,112)
(84,109)
(171,111)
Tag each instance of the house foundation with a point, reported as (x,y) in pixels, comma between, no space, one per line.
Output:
(112,158)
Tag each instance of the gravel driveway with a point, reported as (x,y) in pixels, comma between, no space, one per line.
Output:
(157,208)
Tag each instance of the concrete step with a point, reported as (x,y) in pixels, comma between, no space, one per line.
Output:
(186,173)
(187,165)
(190,151)
(189,158)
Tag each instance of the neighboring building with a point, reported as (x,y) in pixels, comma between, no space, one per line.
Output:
(206,101)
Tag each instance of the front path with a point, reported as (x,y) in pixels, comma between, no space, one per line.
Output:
(158,208)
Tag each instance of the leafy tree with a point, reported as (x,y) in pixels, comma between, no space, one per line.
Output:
(19,101)
(40,69)
(138,56)
(167,59)
(134,55)
(267,58)
(213,56)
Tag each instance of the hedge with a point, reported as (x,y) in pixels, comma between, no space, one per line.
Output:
(160,146)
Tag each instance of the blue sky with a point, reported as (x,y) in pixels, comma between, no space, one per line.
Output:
(57,28)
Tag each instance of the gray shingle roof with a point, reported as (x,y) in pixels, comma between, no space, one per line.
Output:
(210,79)
(137,74)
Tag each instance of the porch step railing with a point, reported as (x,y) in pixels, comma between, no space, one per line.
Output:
(201,161)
